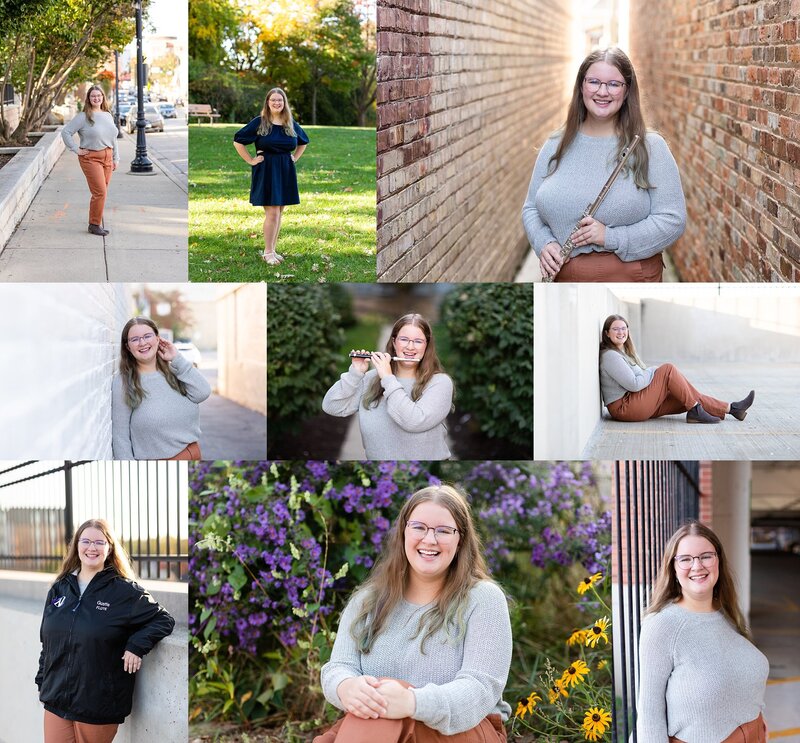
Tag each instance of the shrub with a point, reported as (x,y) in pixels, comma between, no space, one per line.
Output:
(303,338)
(490,328)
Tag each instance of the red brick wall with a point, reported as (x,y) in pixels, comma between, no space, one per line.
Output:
(720,80)
(706,494)
(466,92)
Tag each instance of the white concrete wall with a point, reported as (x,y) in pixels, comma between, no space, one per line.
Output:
(160,701)
(567,319)
(58,345)
(242,349)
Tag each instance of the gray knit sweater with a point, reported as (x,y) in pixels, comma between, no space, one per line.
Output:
(98,135)
(456,684)
(165,422)
(699,678)
(620,374)
(398,427)
(639,223)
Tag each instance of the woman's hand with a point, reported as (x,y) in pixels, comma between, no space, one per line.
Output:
(257,160)
(360,365)
(82,152)
(113,166)
(383,363)
(400,702)
(550,260)
(130,662)
(590,232)
(360,697)
(167,350)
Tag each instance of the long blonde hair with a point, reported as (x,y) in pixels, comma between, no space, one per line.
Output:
(629,121)
(87,104)
(667,589)
(388,580)
(426,368)
(629,348)
(286,119)
(117,556)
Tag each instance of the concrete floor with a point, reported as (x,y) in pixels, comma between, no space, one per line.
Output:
(770,431)
(775,621)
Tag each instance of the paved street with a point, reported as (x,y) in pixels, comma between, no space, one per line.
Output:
(146,216)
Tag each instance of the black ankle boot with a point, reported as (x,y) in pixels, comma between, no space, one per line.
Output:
(698,414)
(739,409)
(96,229)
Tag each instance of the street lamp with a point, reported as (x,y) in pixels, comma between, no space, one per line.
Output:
(116,93)
(141,163)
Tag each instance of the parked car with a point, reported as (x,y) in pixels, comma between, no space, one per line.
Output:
(155,122)
(189,351)
(167,110)
(123,112)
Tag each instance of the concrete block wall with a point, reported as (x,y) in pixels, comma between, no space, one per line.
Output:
(59,344)
(720,80)
(466,93)
(242,350)
(160,700)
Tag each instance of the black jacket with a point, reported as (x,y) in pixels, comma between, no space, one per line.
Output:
(81,676)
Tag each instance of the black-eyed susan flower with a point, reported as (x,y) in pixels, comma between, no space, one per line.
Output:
(578,637)
(595,723)
(597,632)
(575,673)
(557,690)
(526,704)
(602,664)
(588,582)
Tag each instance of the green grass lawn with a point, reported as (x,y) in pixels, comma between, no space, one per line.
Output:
(329,236)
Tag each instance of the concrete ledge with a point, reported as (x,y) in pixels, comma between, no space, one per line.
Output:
(22,177)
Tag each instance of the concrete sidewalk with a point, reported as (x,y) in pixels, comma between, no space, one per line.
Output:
(231,431)
(146,216)
(771,430)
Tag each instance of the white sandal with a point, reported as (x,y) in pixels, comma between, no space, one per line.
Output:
(271,259)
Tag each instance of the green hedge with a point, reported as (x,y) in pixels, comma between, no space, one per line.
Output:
(303,337)
(490,328)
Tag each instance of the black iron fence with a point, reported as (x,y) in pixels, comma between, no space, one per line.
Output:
(651,500)
(42,503)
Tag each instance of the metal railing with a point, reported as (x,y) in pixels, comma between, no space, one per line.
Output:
(42,503)
(651,500)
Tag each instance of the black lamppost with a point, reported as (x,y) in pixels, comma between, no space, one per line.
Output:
(141,163)
(116,94)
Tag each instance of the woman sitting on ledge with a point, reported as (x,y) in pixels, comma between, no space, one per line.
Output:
(634,392)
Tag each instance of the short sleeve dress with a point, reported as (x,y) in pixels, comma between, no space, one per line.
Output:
(273,181)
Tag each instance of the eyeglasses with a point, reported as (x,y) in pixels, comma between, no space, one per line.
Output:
(416,342)
(685,562)
(440,533)
(147,337)
(89,542)
(619,330)
(614,87)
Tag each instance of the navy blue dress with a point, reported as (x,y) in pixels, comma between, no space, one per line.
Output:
(273,181)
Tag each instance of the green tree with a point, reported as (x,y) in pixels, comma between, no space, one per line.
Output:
(211,24)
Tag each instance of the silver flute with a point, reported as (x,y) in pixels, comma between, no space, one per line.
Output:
(589,211)
(368,354)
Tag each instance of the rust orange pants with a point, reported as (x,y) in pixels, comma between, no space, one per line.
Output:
(352,729)
(669,393)
(97,166)
(607,267)
(750,732)
(57,730)
(192,451)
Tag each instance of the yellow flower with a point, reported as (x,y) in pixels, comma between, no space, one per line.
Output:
(578,637)
(556,690)
(602,664)
(575,673)
(525,706)
(588,582)
(597,632)
(595,723)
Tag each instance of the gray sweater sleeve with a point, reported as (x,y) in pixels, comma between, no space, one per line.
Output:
(631,378)
(197,386)
(424,414)
(345,661)
(656,645)
(121,446)
(667,219)
(71,129)
(344,397)
(539,234)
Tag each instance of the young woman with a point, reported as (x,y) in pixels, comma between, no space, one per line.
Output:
(280,143)
(634,392)
(401,405)
(97,626)
(424,646)
(701,679)
(155,397)
(97,153)
(644,211)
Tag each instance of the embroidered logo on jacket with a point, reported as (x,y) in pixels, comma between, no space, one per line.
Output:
(102,606)
(59,601)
